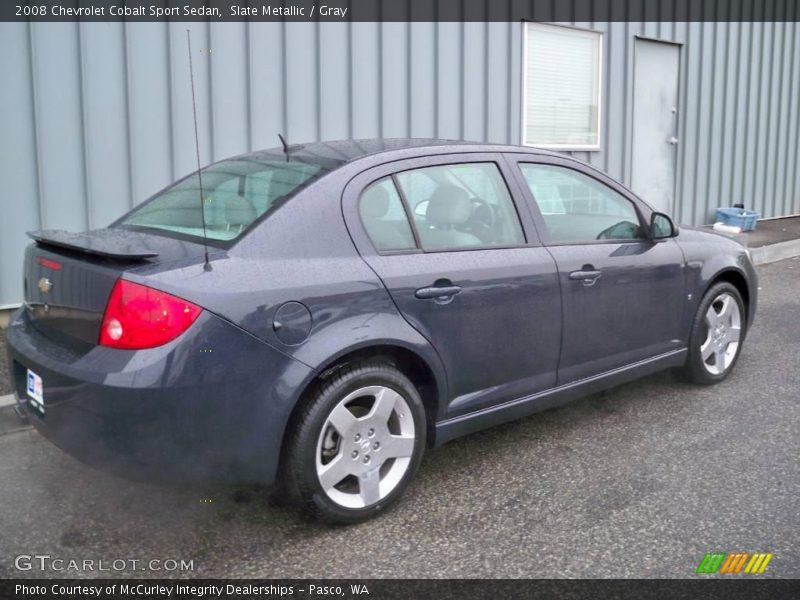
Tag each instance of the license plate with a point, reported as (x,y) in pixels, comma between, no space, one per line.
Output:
(36,391)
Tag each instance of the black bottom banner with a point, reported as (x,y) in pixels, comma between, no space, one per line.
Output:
(376,589)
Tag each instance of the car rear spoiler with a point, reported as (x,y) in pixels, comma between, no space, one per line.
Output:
(109,243)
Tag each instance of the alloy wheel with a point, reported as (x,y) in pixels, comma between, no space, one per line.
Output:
(365,446)
(723,321)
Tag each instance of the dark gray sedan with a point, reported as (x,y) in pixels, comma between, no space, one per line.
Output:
(318,316)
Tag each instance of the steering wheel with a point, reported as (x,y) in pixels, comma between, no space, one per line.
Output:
(624,230)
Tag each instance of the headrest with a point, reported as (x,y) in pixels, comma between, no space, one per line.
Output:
(375,202)
(449,205)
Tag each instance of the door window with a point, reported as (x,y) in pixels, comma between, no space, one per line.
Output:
(461,206)
(385,218)
(578,208)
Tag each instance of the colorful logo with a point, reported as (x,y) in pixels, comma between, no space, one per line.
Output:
(733,562)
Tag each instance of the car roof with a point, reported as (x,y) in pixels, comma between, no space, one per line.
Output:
(337,153)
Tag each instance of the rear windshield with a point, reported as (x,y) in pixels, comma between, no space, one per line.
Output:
(235,192)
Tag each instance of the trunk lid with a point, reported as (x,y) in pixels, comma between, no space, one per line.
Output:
(68,277)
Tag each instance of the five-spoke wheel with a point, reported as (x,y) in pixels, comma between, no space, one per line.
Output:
(365,446)
(357,443)
(723,324)
(717,332)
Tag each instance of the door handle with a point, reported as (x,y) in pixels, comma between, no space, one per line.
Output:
(588,277)
(437,292)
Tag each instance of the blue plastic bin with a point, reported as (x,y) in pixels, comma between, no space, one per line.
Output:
(738,217)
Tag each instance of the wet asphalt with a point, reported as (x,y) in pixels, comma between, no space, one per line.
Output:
(640,481)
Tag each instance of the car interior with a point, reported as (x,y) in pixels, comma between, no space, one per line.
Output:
(453,206)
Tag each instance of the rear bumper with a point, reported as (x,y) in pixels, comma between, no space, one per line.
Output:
(209,406)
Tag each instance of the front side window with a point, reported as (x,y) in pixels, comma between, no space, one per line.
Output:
(461,206)
(235,193)
(562,85)
(578,208)
(385,218)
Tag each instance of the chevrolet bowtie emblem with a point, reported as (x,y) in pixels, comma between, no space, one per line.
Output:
(45,285)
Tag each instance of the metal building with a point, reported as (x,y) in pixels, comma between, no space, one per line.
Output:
(95,117)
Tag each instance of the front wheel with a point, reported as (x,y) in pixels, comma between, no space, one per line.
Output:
(717,335)
(357,443)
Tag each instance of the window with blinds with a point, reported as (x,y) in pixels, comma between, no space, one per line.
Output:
(561,87)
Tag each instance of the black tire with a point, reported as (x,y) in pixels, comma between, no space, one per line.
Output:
(299,470)
(694,370)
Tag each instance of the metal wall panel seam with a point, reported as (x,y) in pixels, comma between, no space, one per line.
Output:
(778,185)
(755,139)
(284,78)
(719,103)
(36,128)
(127,109)
(792,134)
(349,79)
(248,100)
(680,159)
(728,147)
(409,67)
(318,87)
(627,104)
(87,200)
(769,199)
(212,150)
(794,197)
(170,101)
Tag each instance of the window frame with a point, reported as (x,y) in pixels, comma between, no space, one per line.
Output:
(391,169)
(397,190)
(600,86)
(642,210)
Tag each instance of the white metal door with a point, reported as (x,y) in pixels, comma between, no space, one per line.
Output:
(655,122)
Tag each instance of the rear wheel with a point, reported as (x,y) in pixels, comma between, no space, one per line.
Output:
(357,443)
(717,334)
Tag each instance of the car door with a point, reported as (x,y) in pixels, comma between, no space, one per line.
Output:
(622,293)
(465,268)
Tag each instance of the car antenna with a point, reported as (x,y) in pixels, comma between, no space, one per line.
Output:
(206,264)
(285,145)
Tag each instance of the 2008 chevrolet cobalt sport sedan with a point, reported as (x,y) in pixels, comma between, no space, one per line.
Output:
(360,301)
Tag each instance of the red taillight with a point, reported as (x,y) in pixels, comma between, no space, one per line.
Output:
(49,264)
(139,317)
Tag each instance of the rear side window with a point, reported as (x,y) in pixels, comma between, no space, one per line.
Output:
(385,218)
(235,194)
(578,208)
(461,206)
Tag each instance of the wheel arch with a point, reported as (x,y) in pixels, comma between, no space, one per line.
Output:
(428,378)
(738,280)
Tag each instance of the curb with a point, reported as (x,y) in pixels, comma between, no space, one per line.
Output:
(775,252)
(9,421)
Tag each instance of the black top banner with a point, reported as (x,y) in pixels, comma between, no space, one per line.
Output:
(401,10)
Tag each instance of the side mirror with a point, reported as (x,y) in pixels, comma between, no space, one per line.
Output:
(661,226)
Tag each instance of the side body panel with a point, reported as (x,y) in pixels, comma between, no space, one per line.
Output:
(499,337)
(632,310)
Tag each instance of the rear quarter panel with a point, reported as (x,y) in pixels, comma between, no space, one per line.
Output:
(302,253)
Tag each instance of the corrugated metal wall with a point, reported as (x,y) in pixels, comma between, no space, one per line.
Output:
(94,117)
